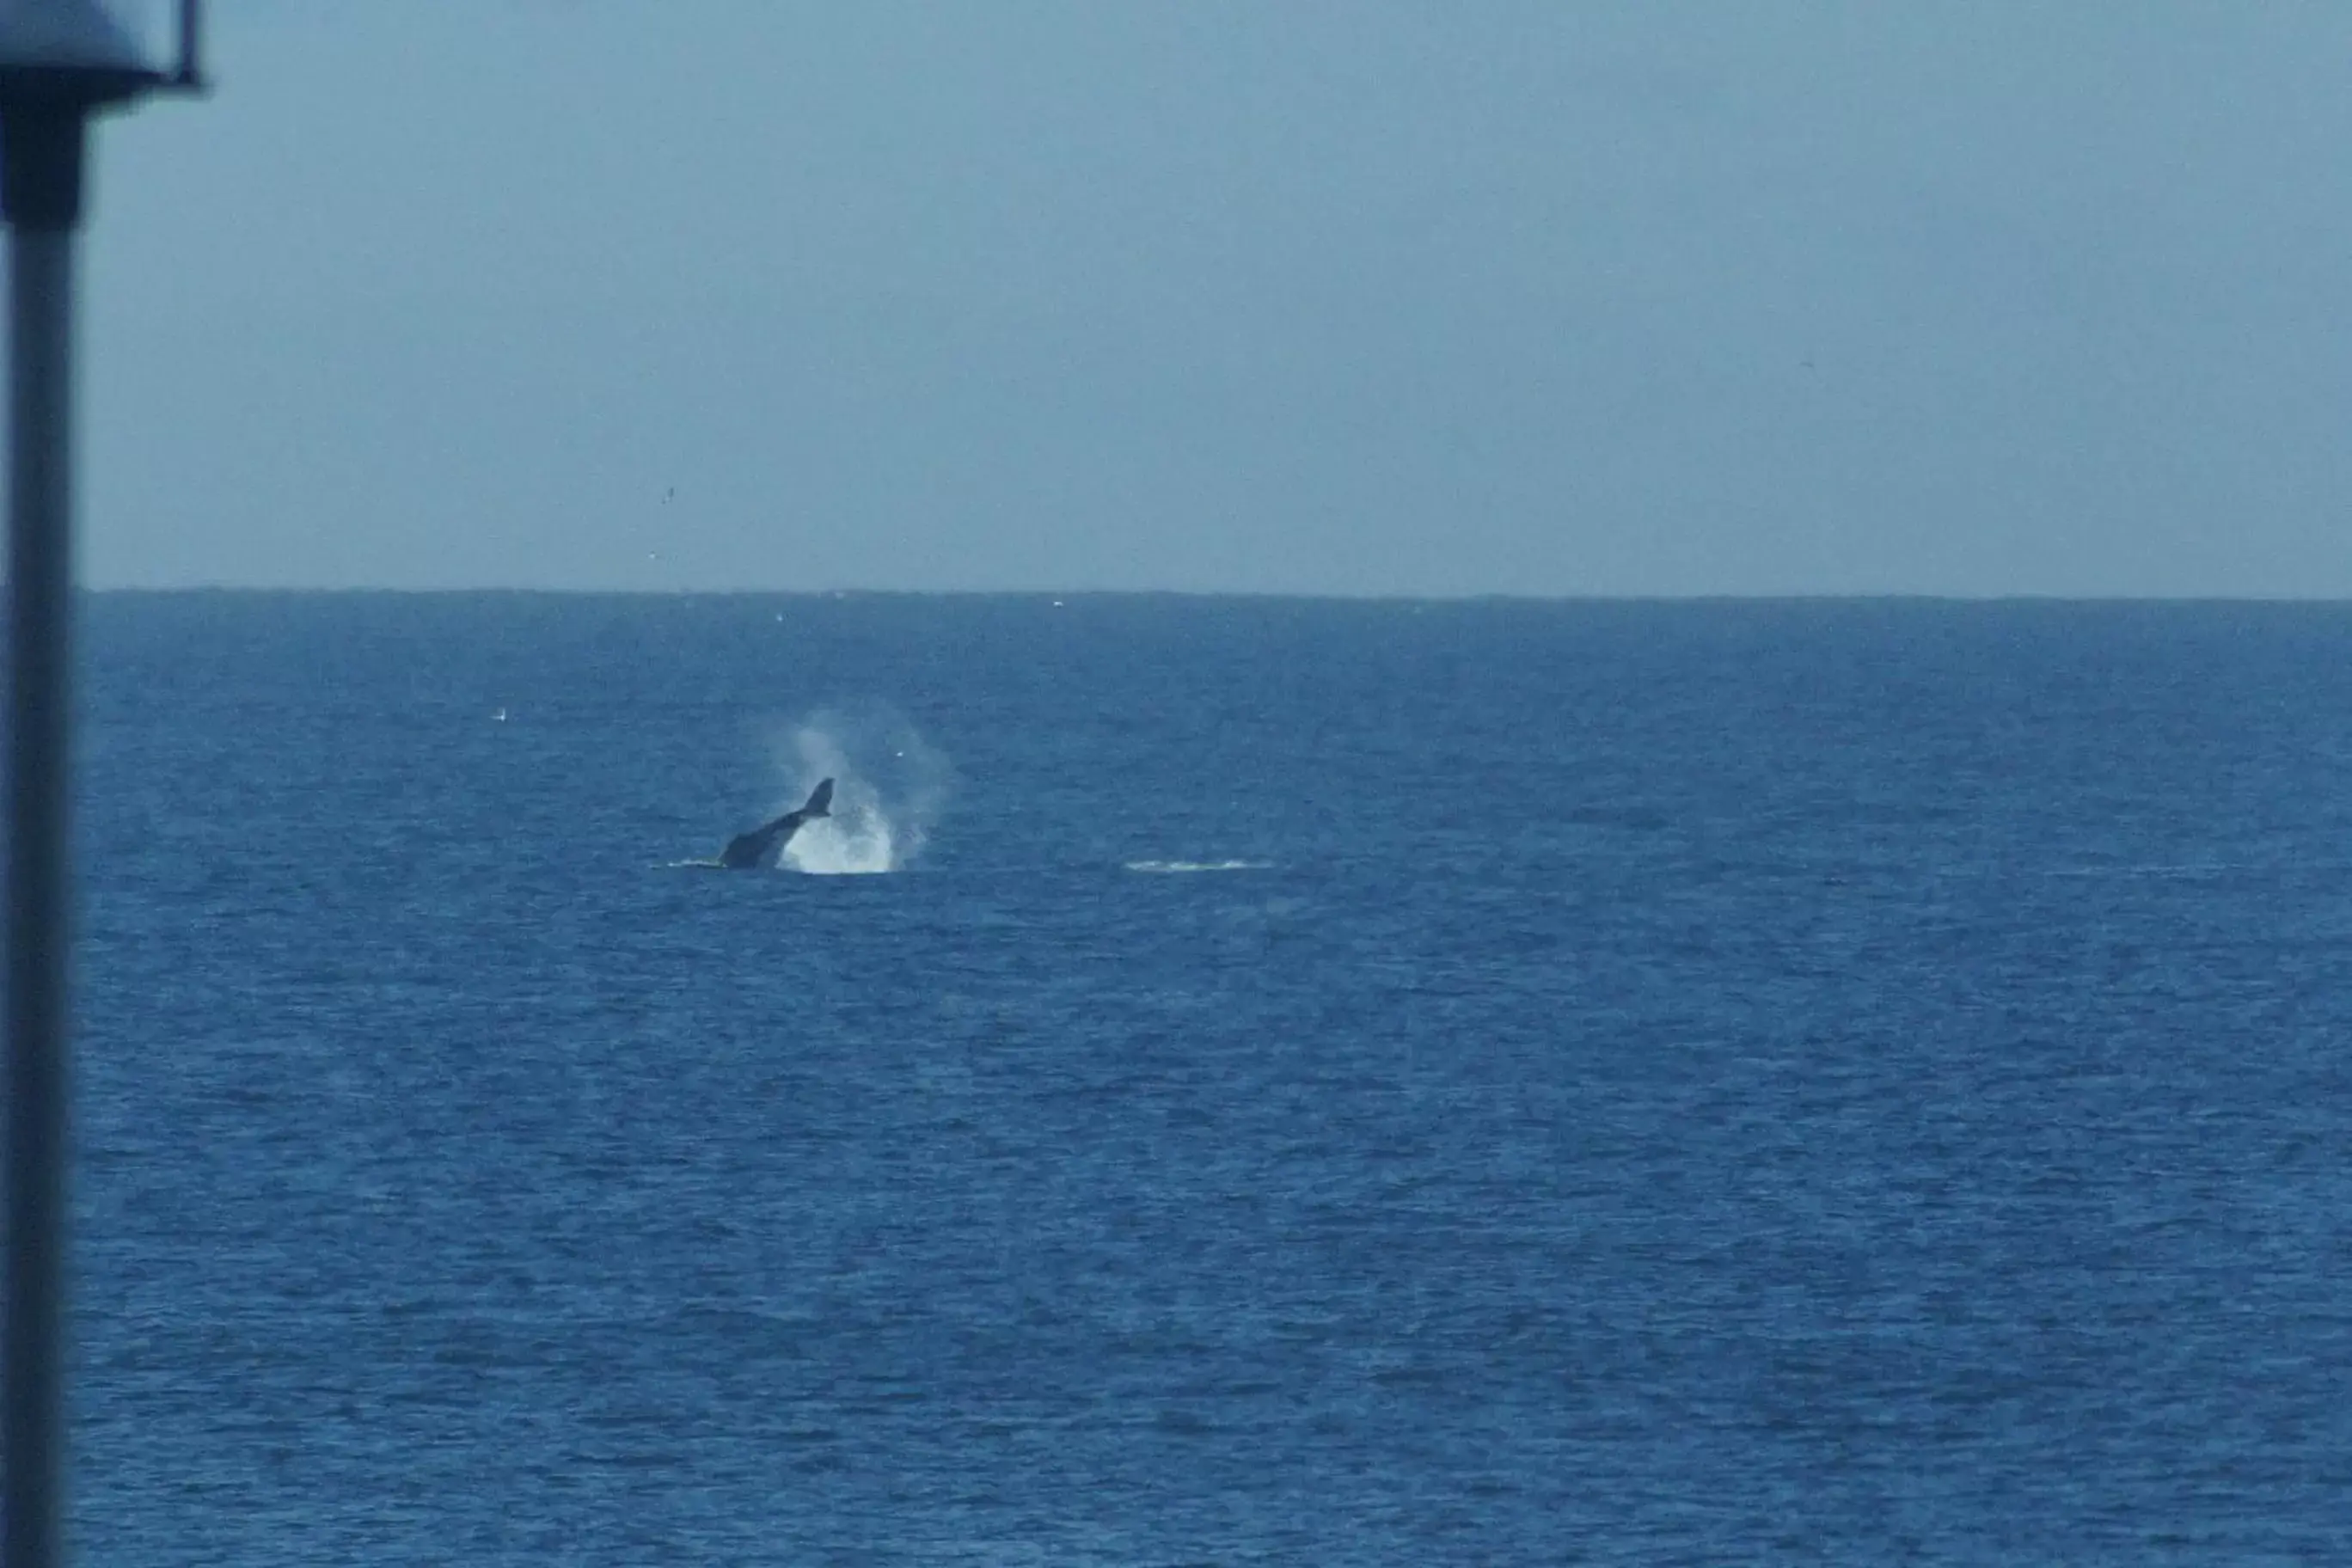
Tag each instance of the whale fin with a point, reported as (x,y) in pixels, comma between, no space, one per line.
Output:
(748,851)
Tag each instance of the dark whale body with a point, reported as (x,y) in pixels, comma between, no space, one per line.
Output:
(759,848)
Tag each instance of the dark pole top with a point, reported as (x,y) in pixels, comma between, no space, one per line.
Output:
(45,113)
(41,158)
(51,85)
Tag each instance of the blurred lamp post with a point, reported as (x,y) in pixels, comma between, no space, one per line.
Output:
(61,62)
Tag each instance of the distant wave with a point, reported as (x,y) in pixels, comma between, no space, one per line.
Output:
(2194,871)
(1172,868)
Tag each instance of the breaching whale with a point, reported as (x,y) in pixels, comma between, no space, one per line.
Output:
(759,848)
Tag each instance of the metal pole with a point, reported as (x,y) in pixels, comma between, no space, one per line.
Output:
(40,588)
(40,578)
(60,63)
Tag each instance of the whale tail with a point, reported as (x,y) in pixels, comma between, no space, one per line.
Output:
(759,847)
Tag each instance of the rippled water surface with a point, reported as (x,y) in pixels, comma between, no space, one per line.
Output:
(1307,1082)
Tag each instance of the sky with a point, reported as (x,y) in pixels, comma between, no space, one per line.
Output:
(1348,296)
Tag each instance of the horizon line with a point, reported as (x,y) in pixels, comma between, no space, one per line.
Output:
(1060,594)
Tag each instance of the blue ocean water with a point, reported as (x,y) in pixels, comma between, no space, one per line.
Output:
(1324,1083)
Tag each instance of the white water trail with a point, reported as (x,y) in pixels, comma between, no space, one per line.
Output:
(1184,867)
(889,785)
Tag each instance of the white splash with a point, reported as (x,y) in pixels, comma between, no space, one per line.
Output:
(889,788)
(857,840)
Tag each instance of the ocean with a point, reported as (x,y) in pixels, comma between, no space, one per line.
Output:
(1237,1081)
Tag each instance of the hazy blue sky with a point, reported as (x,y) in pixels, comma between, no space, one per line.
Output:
(1334,296)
